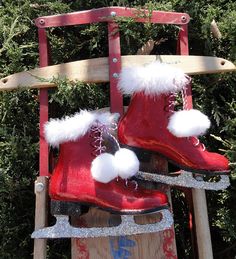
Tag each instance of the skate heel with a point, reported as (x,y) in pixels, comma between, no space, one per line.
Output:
(73,209)
(142,154)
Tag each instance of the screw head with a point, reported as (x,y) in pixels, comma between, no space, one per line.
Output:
(114,60)
(113,14)
(42,21)
(183,18)
(115,75)
(39,187)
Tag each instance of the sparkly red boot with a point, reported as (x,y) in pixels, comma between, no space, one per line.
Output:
(72,180)
(145,124)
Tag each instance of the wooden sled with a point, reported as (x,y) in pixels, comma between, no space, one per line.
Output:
(149,245)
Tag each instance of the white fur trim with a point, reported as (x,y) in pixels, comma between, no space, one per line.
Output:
(103,168)
(188,123)
(107,118)
(71,128)
(127,163)
(154,78)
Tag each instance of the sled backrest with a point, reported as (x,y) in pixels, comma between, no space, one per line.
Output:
(109,15)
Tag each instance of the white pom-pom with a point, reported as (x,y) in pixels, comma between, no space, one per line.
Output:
(154,78)
(188,123)
(103,168)
(127,163)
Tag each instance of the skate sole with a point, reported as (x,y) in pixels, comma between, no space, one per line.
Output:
(78,204)
(147,153)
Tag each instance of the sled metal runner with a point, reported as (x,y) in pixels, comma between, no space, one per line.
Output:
(186,179)
(63,229)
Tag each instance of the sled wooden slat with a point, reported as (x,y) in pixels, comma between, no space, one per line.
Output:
(149,245)
(202,224)
(41,214)
(97,70)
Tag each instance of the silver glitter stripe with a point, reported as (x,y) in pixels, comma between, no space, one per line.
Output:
(186,179)
(62,228)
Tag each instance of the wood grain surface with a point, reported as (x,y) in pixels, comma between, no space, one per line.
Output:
(97,70)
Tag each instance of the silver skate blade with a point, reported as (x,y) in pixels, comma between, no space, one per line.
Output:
(186,179)
(63,229)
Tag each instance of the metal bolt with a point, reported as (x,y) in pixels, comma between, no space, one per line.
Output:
(183,18)
(42,21)
(4,80)
(39,187)
(113,14)
(114,60)
(222,63)
(115,75)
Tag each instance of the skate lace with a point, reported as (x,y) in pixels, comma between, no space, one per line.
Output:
(170,103)
(127,183)
(170,108)
(131,181)
(97,133)
(196,143)
(172,97)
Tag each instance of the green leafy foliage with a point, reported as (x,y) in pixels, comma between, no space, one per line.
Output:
(18,163)
(69,97)
(213,94)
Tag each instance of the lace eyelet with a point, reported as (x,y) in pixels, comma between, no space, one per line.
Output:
(203,147)
(132,181)
(196,144)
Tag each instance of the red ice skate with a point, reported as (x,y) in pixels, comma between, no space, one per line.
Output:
(72,180)
(145,124)
(81,179)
